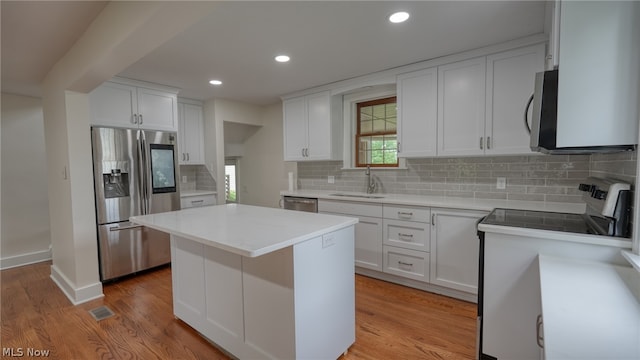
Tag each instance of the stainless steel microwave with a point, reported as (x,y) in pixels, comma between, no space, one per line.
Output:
(544,120)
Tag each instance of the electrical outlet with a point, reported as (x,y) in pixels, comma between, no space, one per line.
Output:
(501,183)
(328,240)
(331,179)
(184,178)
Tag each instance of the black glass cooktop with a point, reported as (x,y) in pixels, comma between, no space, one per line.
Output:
(543,220)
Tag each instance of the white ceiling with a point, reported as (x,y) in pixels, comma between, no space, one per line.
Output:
(328,41)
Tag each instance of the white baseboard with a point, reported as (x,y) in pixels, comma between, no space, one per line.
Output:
(76,295)
(25,259)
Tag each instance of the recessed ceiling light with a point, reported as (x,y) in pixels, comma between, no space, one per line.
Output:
(215,82)
(398,17)
(282,58)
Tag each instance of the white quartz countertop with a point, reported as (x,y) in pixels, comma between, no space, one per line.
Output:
(245,230)
(590,310)
(620,242)
(189,193)
(440,201)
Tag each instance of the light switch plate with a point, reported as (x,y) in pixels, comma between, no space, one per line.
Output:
(184,178)
(501,183)
(331,179)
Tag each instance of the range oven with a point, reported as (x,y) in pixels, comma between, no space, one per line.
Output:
(608,213)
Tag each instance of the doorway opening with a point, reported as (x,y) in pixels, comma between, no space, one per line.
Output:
(231,180)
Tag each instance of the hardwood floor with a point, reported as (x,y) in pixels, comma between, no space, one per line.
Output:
(392,321)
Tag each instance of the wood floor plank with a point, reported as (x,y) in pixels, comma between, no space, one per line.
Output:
(392,321)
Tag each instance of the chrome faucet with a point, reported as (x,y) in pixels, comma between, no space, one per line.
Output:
(371,183)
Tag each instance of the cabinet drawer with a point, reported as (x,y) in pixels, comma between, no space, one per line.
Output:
(198,200)
(407,234)
(350,208)
(410,213)
(406,263)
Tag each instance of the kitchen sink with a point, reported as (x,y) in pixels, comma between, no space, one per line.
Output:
(359,196)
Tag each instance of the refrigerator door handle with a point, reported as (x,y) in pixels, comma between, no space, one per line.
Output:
(142,171)
(120,228)
(145,174)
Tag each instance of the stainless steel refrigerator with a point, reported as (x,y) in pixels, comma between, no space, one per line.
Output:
(135,173)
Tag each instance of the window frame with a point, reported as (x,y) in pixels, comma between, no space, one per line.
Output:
(356,139)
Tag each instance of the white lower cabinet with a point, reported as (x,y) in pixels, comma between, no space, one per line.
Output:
(455,249)
(411,264)
(368,243)
(368,237)
(433,249)
(512,296)
(406,234)
(406,241)
(189,201)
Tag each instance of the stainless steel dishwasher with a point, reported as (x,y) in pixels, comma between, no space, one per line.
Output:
(300,203)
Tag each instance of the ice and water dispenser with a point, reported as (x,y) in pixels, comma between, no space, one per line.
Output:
(116,183)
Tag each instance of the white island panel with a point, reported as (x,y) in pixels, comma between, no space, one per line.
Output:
(263,283)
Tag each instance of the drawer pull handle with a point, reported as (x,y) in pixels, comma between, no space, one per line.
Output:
(401,235)
(406,214)
(404,263)
(197,201)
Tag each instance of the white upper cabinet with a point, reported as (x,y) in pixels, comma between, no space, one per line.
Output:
(311,126)
(157,110)
(191,134)
(510,84)
(599,73)
(295,128)
(417,99)
(461,108)
(125,105)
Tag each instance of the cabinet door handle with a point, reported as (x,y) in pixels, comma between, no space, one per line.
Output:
(140,116)
(134,119)
(481,143)
(433,219)
(306,152)
(404,263)
(539,336)
(399,147)
(188,157)
(488,142)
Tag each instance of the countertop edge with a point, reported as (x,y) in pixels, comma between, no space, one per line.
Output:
(568,313)
(197,193)
(441,201)
(348,221)
(556,235)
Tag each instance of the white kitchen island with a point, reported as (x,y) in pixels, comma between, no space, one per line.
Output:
(263,283)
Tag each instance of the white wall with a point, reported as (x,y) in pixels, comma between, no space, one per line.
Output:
(214,147)
(237,112)
(122,34)
(25,205)
(263,172)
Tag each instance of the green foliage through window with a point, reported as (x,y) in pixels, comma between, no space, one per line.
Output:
(376,138)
